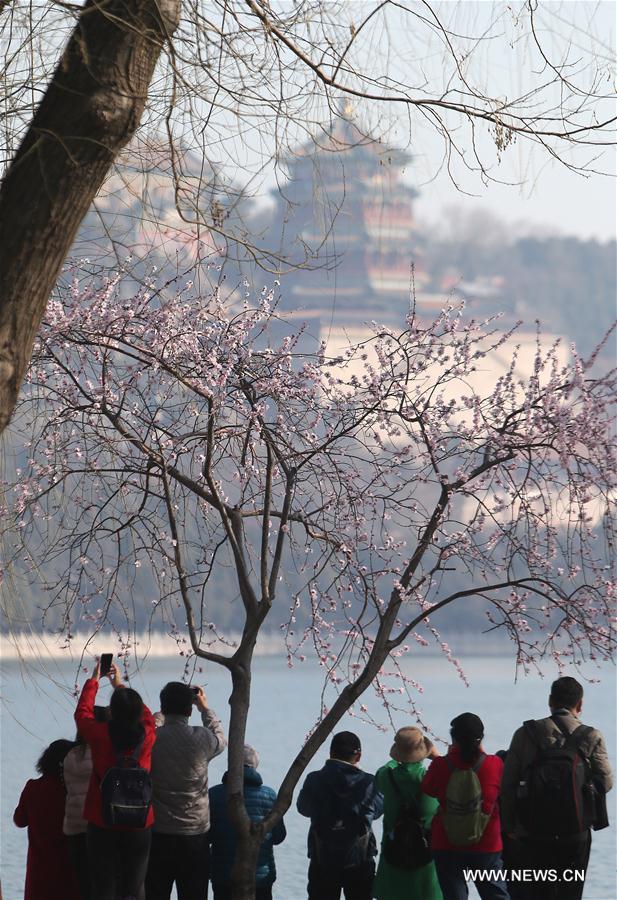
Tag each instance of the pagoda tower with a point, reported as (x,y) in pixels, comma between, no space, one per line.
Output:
(344,222)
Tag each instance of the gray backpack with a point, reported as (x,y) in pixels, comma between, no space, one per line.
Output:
(462,817)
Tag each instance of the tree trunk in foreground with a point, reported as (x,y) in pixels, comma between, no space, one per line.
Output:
(90,110)
(245,864)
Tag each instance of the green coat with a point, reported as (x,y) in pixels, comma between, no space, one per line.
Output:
(392,883)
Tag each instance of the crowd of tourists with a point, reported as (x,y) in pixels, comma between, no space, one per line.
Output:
(125,811)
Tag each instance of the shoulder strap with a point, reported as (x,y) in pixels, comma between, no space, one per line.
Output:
(531,730)
(481,759)
(407,801)
(573,738)
(393,782)
(576,737)
(122,757)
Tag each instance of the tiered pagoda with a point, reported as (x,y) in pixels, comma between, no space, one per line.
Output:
(345,220)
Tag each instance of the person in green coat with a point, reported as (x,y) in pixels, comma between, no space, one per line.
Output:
(410,747)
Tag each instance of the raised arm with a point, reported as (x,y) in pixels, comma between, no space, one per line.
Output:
(84,714)
(212,724)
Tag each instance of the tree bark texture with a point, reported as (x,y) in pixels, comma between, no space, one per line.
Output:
(245,863)
(91,109)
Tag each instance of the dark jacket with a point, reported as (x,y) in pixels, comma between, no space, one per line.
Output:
(341,779)
(259,800)
(523,751)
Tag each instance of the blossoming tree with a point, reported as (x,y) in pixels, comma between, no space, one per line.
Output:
(373,491)
(238,82)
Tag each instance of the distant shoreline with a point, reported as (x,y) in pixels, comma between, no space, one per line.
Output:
(27,646)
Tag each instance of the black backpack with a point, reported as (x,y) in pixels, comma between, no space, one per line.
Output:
(126,792)
(407,845)
(340,836)
(557,797)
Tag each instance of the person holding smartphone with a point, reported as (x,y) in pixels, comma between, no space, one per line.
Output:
(180,838)
(116,854)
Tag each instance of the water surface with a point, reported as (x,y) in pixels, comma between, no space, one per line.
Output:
(37,707)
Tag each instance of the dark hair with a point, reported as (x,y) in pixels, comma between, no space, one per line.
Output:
(52,758)
(177,699)
(566,693)
(126,707)
(101,714)
(467,730)
(126,710)
(345,745)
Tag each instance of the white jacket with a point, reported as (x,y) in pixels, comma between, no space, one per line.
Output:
(77,770)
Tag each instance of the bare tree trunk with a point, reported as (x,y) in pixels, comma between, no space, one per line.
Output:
(248,835)
(245,864)
(90,110)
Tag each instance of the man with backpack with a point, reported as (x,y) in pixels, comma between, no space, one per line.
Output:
(180,838)
(555,777)
(341,801)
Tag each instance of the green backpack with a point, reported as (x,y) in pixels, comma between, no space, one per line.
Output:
(462,817)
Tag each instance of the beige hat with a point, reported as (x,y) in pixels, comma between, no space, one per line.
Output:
(251,757)
(410,745)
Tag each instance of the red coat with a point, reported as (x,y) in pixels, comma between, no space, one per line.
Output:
(435,783)
(49,873)
(96,734)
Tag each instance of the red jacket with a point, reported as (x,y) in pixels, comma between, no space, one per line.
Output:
(96,734)
(49,874)
(435,783)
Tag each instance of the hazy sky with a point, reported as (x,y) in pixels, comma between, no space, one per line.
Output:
(541,194)
(550,199)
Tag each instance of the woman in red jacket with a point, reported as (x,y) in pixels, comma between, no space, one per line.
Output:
(41,810)
(480,849)
(117,855)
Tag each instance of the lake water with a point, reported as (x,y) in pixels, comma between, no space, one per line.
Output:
(37,707)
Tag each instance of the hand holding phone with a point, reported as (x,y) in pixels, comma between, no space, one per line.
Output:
(105,665)
(199,697)
(115,676)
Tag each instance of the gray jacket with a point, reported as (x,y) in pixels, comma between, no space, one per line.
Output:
(180,758)
(523,751)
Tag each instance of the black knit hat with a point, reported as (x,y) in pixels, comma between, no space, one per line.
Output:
(467,727)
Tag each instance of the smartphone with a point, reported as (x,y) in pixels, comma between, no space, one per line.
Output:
(195,689)
(106,659)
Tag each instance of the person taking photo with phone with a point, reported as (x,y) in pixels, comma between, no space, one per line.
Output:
(180,839)
(118,803)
